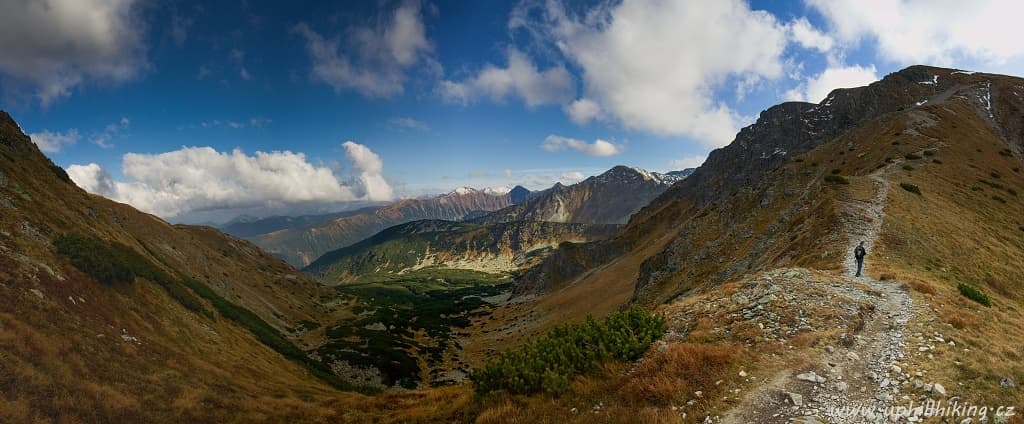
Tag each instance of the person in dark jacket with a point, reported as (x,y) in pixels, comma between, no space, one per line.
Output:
(859,252)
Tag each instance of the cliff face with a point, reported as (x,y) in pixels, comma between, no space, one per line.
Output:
(609,198)
(502,247)
(301,246)
(757,202)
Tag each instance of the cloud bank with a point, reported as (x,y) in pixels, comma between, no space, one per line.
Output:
(203,179)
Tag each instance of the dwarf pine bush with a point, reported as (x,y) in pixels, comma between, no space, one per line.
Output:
(548,365)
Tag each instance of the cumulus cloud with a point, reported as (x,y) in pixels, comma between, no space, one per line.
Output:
(806,35)
(53,46)
(521,78)
(554,143)
(582,111)
(573,177)
(375,59)
(370,181)
(203,179)
(53,142)
(929,32)
(835,76)
(655,66)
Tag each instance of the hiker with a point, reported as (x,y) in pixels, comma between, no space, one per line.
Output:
(859,252)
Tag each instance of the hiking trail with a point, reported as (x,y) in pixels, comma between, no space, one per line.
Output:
(858,379)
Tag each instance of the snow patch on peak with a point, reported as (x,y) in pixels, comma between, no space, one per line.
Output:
(934,81)
(500,190)
(463,190)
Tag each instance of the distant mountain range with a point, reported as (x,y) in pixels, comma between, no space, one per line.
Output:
(301,240)
(609,198)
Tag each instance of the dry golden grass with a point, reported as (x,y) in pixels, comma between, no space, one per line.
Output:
(679,370)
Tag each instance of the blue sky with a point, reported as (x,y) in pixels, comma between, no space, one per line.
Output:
(147,101)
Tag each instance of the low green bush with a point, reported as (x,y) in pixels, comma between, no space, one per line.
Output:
(974,294)
(911,188)
(110,262)
(908,167)
(911,156)
(999,199)
(106,262)
(548,364)
(929,153)
(837,179)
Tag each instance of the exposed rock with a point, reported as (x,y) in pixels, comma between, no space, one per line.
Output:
(811,376)
(1006,382)
(795,398)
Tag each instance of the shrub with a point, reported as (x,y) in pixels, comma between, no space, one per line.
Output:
(1006,152)
(1016,169)
(106,262)
(836,171)
(929,153)
(999,199)
(908,167)
(548,364)
(976,188)
(974,294)
(911,188)
(1011,191)
(936,161)
(837,179)
(912,156)
(110,262)
(995,175)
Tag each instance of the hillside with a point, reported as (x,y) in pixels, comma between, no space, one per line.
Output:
(301,245)
(747,261)
(924,165)
(609,198)
(495,248)
(166,341)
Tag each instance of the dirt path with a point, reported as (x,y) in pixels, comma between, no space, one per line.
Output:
(857,380)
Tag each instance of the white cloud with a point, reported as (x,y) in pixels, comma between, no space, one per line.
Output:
(574,177)
(582,111)
(109,132)
(554,143)
(688,162)
(54,46)
(377,58)
(838,76)
(203,179)
(805,34)
(368,165)
(930,32)
(655,66)
(52,142)
(521,78)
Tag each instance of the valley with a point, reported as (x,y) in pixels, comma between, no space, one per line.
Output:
(741,267)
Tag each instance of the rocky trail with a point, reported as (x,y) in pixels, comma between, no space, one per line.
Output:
(857,379)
